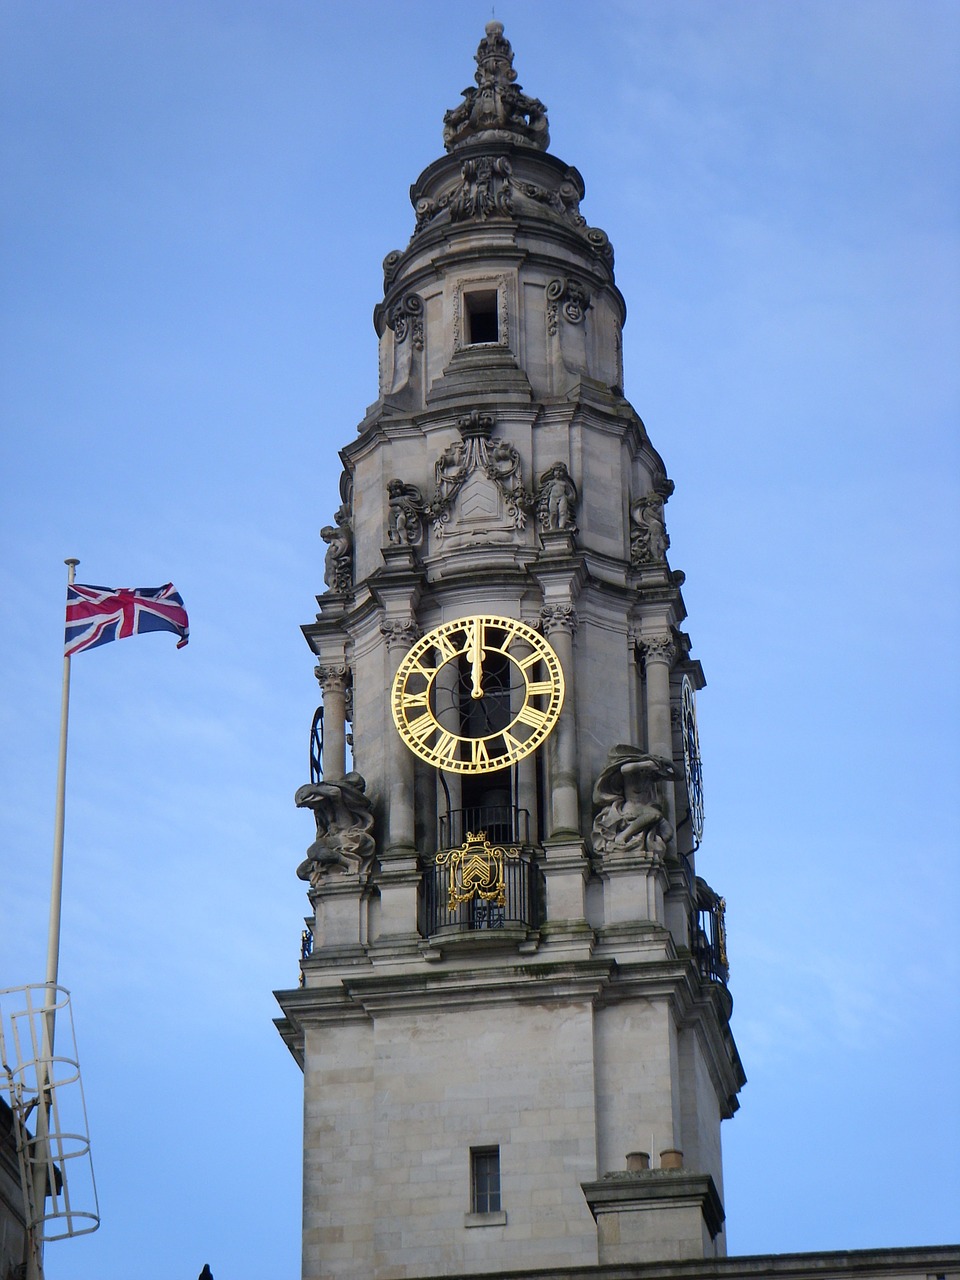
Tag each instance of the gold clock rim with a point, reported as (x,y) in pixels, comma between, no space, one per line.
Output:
(521,630)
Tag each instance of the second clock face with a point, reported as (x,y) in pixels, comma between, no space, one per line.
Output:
(477,694)
(692,766)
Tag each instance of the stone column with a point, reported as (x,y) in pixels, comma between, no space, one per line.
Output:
(524,794)
(659,654)
(399,874)
(399,636)
(333,682)
(565,865)
(559,622)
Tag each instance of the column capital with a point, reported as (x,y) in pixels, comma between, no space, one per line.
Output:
(332,679)
(400,633)
(662,648)
(558,617)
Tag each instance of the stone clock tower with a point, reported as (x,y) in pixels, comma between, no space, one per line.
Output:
(513,1016)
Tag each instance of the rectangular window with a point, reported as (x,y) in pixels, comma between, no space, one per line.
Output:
(483,317)
(485,1179)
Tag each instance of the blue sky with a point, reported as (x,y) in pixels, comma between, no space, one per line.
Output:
(196,200)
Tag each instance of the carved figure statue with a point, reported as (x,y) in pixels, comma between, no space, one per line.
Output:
(649,539)
(338,561)
(632,808)
(405,503)
(344,818)
(556,498)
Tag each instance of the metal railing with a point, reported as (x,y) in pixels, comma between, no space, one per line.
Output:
(316,745)
(484,874)
(708,936)
(523,899)
(503,823)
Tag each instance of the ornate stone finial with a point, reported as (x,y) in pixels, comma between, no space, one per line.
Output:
(498,107)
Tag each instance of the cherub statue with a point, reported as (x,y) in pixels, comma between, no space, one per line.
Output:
(405,503)
(632,813)
(338,561)
(344,818)
(556,498)
(648,537)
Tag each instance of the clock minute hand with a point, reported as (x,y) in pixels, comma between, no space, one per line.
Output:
(475,652)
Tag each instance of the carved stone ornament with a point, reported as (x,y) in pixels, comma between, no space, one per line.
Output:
(557,499)
(648,532)
(599,242)
(405,512)
(391,265)
(477,870)
(338,561)
(406,317)
(344,818)
(569,298)
(400,633)
(498,107)
(478,450)
(632,808)
(659,649)
(332,679)
(558,617)
(487,188)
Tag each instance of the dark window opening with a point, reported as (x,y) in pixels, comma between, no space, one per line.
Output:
(485,1179)
(483,317)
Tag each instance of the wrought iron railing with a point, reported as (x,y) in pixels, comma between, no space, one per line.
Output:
(488,879)
(503,823)
(316,745)
(708,933)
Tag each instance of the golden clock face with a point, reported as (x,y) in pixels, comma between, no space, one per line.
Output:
(475,695)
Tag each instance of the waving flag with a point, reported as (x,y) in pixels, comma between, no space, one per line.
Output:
(97,615)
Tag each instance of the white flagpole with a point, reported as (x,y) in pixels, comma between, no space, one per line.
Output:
(56,889)
(45,1067)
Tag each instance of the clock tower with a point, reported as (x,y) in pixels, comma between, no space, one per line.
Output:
(513,1019)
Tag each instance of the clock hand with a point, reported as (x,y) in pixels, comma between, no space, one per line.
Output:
(475,650)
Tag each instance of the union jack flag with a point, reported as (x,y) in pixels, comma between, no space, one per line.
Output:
(97,615)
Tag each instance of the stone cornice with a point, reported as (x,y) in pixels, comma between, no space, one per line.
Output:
(359,997)
(856,1264)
